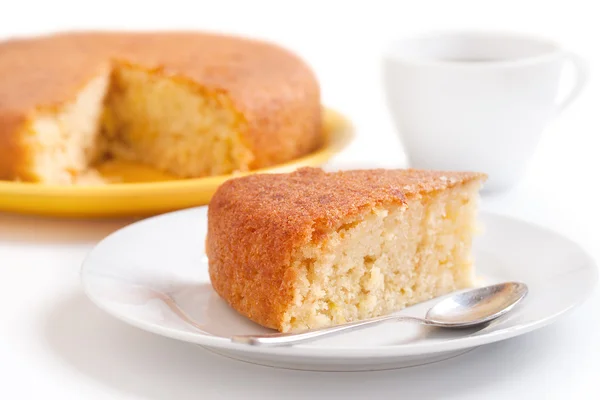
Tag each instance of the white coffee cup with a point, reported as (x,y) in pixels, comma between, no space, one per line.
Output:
(475,101)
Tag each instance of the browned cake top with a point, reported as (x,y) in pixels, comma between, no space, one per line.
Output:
(46,70)
(313,199)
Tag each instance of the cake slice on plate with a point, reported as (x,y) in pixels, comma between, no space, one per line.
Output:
(312,249)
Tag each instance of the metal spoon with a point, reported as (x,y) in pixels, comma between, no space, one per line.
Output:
(460,310)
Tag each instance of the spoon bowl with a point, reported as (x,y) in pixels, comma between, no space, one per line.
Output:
(476,306)
(463,309)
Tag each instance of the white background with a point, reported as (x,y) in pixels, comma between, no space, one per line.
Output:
(55,344)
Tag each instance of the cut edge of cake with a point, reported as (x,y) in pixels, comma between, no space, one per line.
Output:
(173,124)
(60,142)
(385,259)
(178,127)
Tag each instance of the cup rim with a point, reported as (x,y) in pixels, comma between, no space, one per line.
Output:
(390,52)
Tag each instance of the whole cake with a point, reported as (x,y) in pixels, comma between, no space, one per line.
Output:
(188,103)
(312,249)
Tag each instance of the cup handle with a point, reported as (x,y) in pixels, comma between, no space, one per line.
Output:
(581,78)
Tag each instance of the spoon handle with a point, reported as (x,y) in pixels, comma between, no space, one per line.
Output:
(287,339)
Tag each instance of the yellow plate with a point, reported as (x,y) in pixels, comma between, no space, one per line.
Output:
(146,192)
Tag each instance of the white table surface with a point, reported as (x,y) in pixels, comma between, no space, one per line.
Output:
(55,344)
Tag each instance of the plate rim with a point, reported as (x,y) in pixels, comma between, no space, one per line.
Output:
(351,352)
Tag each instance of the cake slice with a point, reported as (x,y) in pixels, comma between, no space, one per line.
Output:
(313,249)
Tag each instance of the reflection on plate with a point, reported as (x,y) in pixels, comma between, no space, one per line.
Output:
(144,191)
(153,274)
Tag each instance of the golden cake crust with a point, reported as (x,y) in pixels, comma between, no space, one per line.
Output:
(273,89)
(256,222)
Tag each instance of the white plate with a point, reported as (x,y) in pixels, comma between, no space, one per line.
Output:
(153,274)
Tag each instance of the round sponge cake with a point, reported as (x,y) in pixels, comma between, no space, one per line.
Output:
(188,103)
